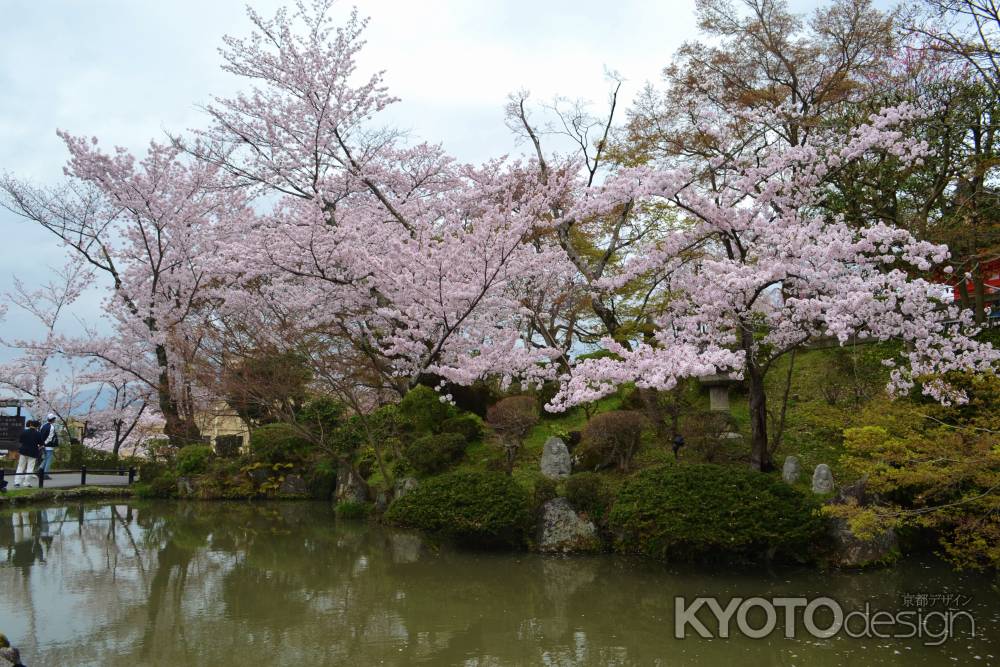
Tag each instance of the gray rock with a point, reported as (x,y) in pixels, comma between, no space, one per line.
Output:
(259,475)
(792,470)
(293,485)
(852,551)
(404,486)
(350,486)
(822,479)
(185,487)
(556,461)
(381,502)
(560,529)
(856,493)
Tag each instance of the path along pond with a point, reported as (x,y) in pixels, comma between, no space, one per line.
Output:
(167,583)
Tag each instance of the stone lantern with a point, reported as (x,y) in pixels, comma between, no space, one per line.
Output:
(718,390)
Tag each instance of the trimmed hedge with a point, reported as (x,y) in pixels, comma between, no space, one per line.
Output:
(709,511)
(468,425)
(432,454)
(279,443)
(477,508)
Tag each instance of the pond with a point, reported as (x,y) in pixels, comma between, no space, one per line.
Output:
(218,584)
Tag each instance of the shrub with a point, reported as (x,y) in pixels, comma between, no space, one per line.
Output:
(931,470)
(161,486)
(81,455)
(696,511)
(150,470)
(350,509)
(193,459)
(544,491)
(279,443)
(431,454)
(468,425)
(706,436)
(423,408)
(474,507)
(587,492)
(512,418)
(383,426)
(612,438)
(321,414)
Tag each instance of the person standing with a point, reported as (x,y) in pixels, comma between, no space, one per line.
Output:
(29,452)
(50,440)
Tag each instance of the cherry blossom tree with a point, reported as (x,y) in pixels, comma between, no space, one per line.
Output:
(758,269)
(58,374)
(40,373)
(147,226)
(422,265)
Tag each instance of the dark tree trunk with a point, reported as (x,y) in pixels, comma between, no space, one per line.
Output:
(180,429)
(760,457)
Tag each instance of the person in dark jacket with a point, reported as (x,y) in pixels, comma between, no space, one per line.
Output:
(30,449)
(50,440)
(678,443)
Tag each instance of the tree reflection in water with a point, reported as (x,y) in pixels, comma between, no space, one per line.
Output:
(284,583)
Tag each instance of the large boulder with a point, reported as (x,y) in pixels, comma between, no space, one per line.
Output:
(351,487)
(792,470)
(822,481)
(849,550)
(556,461)
(293,485)
(561,529)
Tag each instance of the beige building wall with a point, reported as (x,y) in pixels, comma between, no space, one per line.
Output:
(221,419)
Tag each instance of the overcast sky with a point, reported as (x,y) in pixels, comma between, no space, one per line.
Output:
(128,71)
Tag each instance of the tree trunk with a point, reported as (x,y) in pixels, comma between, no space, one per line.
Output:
(179,429)
(964,299)
(760,458)
(979,294)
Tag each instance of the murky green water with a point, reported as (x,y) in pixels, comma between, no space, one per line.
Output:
(285,584)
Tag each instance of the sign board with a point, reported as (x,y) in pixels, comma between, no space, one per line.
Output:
(10,428)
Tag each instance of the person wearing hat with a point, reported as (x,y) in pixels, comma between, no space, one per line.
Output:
(50,440)
(29,451)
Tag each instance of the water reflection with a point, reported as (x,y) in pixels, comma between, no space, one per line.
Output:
(236,584)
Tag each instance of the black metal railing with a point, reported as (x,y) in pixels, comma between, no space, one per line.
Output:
(83,471)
